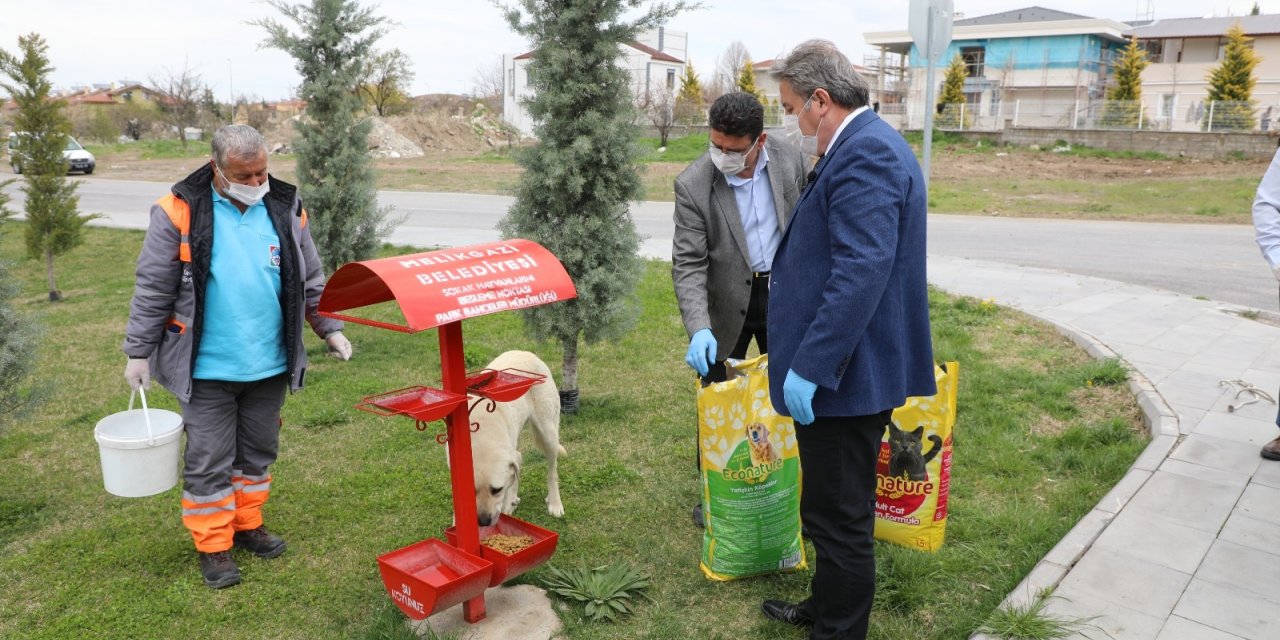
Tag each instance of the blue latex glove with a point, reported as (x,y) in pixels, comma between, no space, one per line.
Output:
(702,351)
(798,394)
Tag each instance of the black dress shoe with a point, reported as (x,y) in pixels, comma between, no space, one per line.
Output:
(786,612)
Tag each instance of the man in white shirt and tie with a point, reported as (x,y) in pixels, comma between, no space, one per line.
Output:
(1266,223)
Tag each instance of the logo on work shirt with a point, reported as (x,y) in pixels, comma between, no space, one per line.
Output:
(275,255)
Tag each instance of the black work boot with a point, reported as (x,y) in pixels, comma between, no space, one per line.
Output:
(219,569)
(261,542)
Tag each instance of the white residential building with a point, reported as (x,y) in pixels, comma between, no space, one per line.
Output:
(1183,52)
(655,60)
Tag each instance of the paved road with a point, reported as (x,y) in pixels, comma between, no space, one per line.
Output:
(1220,262)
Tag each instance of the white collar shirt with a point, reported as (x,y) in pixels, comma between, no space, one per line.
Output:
(847,119)
(759,216)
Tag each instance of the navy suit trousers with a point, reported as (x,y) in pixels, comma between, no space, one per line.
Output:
(837,505)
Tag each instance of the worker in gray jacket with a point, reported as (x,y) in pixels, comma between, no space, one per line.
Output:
(227,273)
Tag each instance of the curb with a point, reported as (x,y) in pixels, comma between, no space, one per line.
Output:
(1162,422)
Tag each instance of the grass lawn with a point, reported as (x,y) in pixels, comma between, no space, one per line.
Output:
(150,149)
(680,148)
(1180,200)
(1043,432)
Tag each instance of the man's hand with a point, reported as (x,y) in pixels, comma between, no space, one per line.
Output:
(339,346)
(137,372)
(702,351)
(798,394)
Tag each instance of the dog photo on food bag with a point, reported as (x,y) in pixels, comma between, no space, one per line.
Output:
(761,448)
(495,444)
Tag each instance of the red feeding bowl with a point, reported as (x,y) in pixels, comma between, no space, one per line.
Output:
(507,566)
(421,403)
(502,386)
(430,576)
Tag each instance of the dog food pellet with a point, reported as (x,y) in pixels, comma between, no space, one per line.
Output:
(507,544)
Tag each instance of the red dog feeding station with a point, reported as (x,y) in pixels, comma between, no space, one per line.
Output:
(439,289)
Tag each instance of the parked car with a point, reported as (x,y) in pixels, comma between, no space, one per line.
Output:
(78,159)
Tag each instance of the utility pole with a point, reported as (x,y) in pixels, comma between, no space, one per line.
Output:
(930,26)
(231,87)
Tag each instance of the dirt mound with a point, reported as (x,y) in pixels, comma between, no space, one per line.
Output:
(447,124)
(455,126)
(958,163)
(387,142)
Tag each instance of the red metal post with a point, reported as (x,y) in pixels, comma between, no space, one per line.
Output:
(453,374)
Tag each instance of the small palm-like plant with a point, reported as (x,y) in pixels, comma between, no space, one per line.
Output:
(607,590)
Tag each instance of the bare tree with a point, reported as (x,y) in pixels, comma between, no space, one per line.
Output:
(181,93)
(658,105)
(734,59)
(385,85)
(488,83)
(253,111)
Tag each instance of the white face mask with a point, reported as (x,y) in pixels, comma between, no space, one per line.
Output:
(808,144)
(732,162)
(243,193)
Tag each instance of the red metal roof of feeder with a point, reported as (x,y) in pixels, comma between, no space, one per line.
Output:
(449,285)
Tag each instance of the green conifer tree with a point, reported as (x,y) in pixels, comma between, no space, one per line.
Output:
(19,338)
(1124,98)
(579,178)
(335,175)
(54,225)
(5,211)
(952,96)
(1231,85)
(747,81)
(689,102)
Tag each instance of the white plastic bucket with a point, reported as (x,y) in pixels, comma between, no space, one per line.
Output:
(139,450)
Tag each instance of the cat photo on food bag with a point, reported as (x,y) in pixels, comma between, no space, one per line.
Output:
(906,458)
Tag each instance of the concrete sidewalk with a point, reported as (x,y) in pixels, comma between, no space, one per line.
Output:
(1187,545)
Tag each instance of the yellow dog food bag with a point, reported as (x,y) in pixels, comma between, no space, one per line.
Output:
(750,478)
(913,474)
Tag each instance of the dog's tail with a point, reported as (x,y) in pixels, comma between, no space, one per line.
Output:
(562,452)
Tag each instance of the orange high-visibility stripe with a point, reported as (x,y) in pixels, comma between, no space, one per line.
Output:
(210,523)
(250,493)
(179,213)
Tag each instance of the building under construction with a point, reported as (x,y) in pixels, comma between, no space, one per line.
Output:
(1028,67)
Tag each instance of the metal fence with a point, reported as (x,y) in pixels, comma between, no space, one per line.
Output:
(1164,114)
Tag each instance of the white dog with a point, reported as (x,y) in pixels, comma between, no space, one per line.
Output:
(495,445)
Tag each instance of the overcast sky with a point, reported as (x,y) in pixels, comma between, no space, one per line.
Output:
(449,41)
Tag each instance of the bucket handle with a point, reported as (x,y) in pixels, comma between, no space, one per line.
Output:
(146,415)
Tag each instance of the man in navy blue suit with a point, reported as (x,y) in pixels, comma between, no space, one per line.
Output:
(848,323)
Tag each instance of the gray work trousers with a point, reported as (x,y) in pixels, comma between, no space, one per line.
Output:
(233,437)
